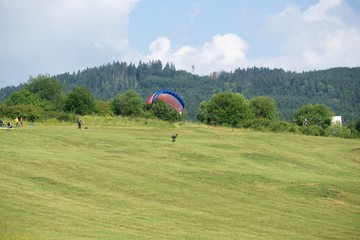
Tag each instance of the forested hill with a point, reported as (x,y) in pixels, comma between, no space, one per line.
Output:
(339,88)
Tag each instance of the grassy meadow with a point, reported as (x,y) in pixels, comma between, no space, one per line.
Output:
(126,179)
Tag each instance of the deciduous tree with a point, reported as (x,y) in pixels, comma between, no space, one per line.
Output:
(264,107)
(45,87)
(227,108)
(313,115)
(80,101)
(128,104)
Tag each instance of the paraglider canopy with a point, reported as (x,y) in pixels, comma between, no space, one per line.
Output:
(169,97)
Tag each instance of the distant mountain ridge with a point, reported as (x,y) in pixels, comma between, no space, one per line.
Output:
(338,88)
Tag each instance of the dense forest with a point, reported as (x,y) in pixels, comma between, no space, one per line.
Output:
(338,88)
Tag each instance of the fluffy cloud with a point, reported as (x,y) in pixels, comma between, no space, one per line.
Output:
(61,35)
(160,49)
(324,35)
(55,36)
(224,52)
(320,11)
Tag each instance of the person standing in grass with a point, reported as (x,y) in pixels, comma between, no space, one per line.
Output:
(79,122)
(17,122)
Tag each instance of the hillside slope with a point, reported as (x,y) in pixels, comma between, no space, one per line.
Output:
(127,180)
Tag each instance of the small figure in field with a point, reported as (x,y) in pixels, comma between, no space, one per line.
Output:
(17,124)
(174,137)
(9,125)
(79,122)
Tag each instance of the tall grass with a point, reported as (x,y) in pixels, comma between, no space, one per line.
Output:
(125,179)
(101,121)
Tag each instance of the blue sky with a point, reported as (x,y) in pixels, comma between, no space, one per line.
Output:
(57,36)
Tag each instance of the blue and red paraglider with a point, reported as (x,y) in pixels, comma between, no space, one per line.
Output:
(169,97)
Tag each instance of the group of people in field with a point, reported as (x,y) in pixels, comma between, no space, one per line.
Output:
(18,122)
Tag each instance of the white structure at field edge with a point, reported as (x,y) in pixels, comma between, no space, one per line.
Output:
(336,120)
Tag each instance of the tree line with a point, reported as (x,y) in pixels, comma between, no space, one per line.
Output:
(46,97)
(338,88)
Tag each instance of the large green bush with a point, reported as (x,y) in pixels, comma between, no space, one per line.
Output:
(313,130)
(338,130)
(28,112)
(128,104)
(164,112)
(226,108)
(264,107)
(80,101)
(313,115)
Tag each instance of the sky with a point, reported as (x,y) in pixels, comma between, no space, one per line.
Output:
(199,36)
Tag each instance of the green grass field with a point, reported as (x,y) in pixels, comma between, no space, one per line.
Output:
(127,180)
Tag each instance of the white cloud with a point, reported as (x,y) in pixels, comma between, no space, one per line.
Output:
(160,49)
(224,52)
(320,11)
(323,36)
(55,36)
(42,36)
